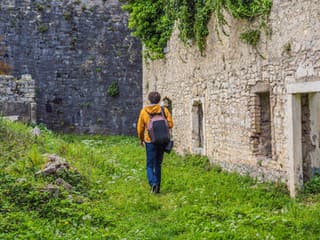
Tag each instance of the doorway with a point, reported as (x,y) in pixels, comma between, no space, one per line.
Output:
(303,115)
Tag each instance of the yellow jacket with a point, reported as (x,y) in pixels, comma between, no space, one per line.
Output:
(144,118)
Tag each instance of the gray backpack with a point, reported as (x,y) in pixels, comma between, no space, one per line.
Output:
(158,128)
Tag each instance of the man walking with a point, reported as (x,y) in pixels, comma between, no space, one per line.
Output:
(154,151)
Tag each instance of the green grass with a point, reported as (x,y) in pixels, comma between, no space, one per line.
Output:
(110,198)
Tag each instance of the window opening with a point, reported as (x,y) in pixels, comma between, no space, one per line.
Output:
(262,144)
(197,124)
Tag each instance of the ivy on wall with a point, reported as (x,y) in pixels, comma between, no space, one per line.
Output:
(152,24)
(152,20)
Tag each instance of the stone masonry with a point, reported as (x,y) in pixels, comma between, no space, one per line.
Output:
(17,98)
(76,51)
(251,122)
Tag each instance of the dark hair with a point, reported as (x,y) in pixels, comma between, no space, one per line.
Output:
(154,97)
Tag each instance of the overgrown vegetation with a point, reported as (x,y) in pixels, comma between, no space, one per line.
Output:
(153,21)
(251,37)
(313,186)
(111,199)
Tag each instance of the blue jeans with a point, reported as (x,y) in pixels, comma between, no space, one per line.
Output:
(154,160)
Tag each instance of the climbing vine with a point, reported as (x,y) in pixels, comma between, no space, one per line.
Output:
(152,20)
(152,23)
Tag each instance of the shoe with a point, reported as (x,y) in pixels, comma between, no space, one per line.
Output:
(157,190)
(154,189)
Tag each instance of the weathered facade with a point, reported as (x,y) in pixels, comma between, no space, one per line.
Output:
(251,112)
(86,66)
(17,98)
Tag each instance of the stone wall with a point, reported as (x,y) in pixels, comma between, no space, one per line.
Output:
(230,78)
(75,50)
(17,98)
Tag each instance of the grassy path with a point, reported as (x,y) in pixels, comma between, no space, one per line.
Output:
(112,200)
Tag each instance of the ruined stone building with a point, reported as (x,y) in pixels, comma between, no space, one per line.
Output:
(252,112)
(255,111)
(79,56)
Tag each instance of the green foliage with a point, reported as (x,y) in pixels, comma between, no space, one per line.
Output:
(186,16)
(152,21)
(251,37)
(113,89)
(110,197)
(196,161)
(34,156)
(313,186)
(248,8)
(43,28)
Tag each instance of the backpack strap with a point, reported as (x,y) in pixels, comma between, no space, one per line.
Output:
(163,112)
(151,114)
